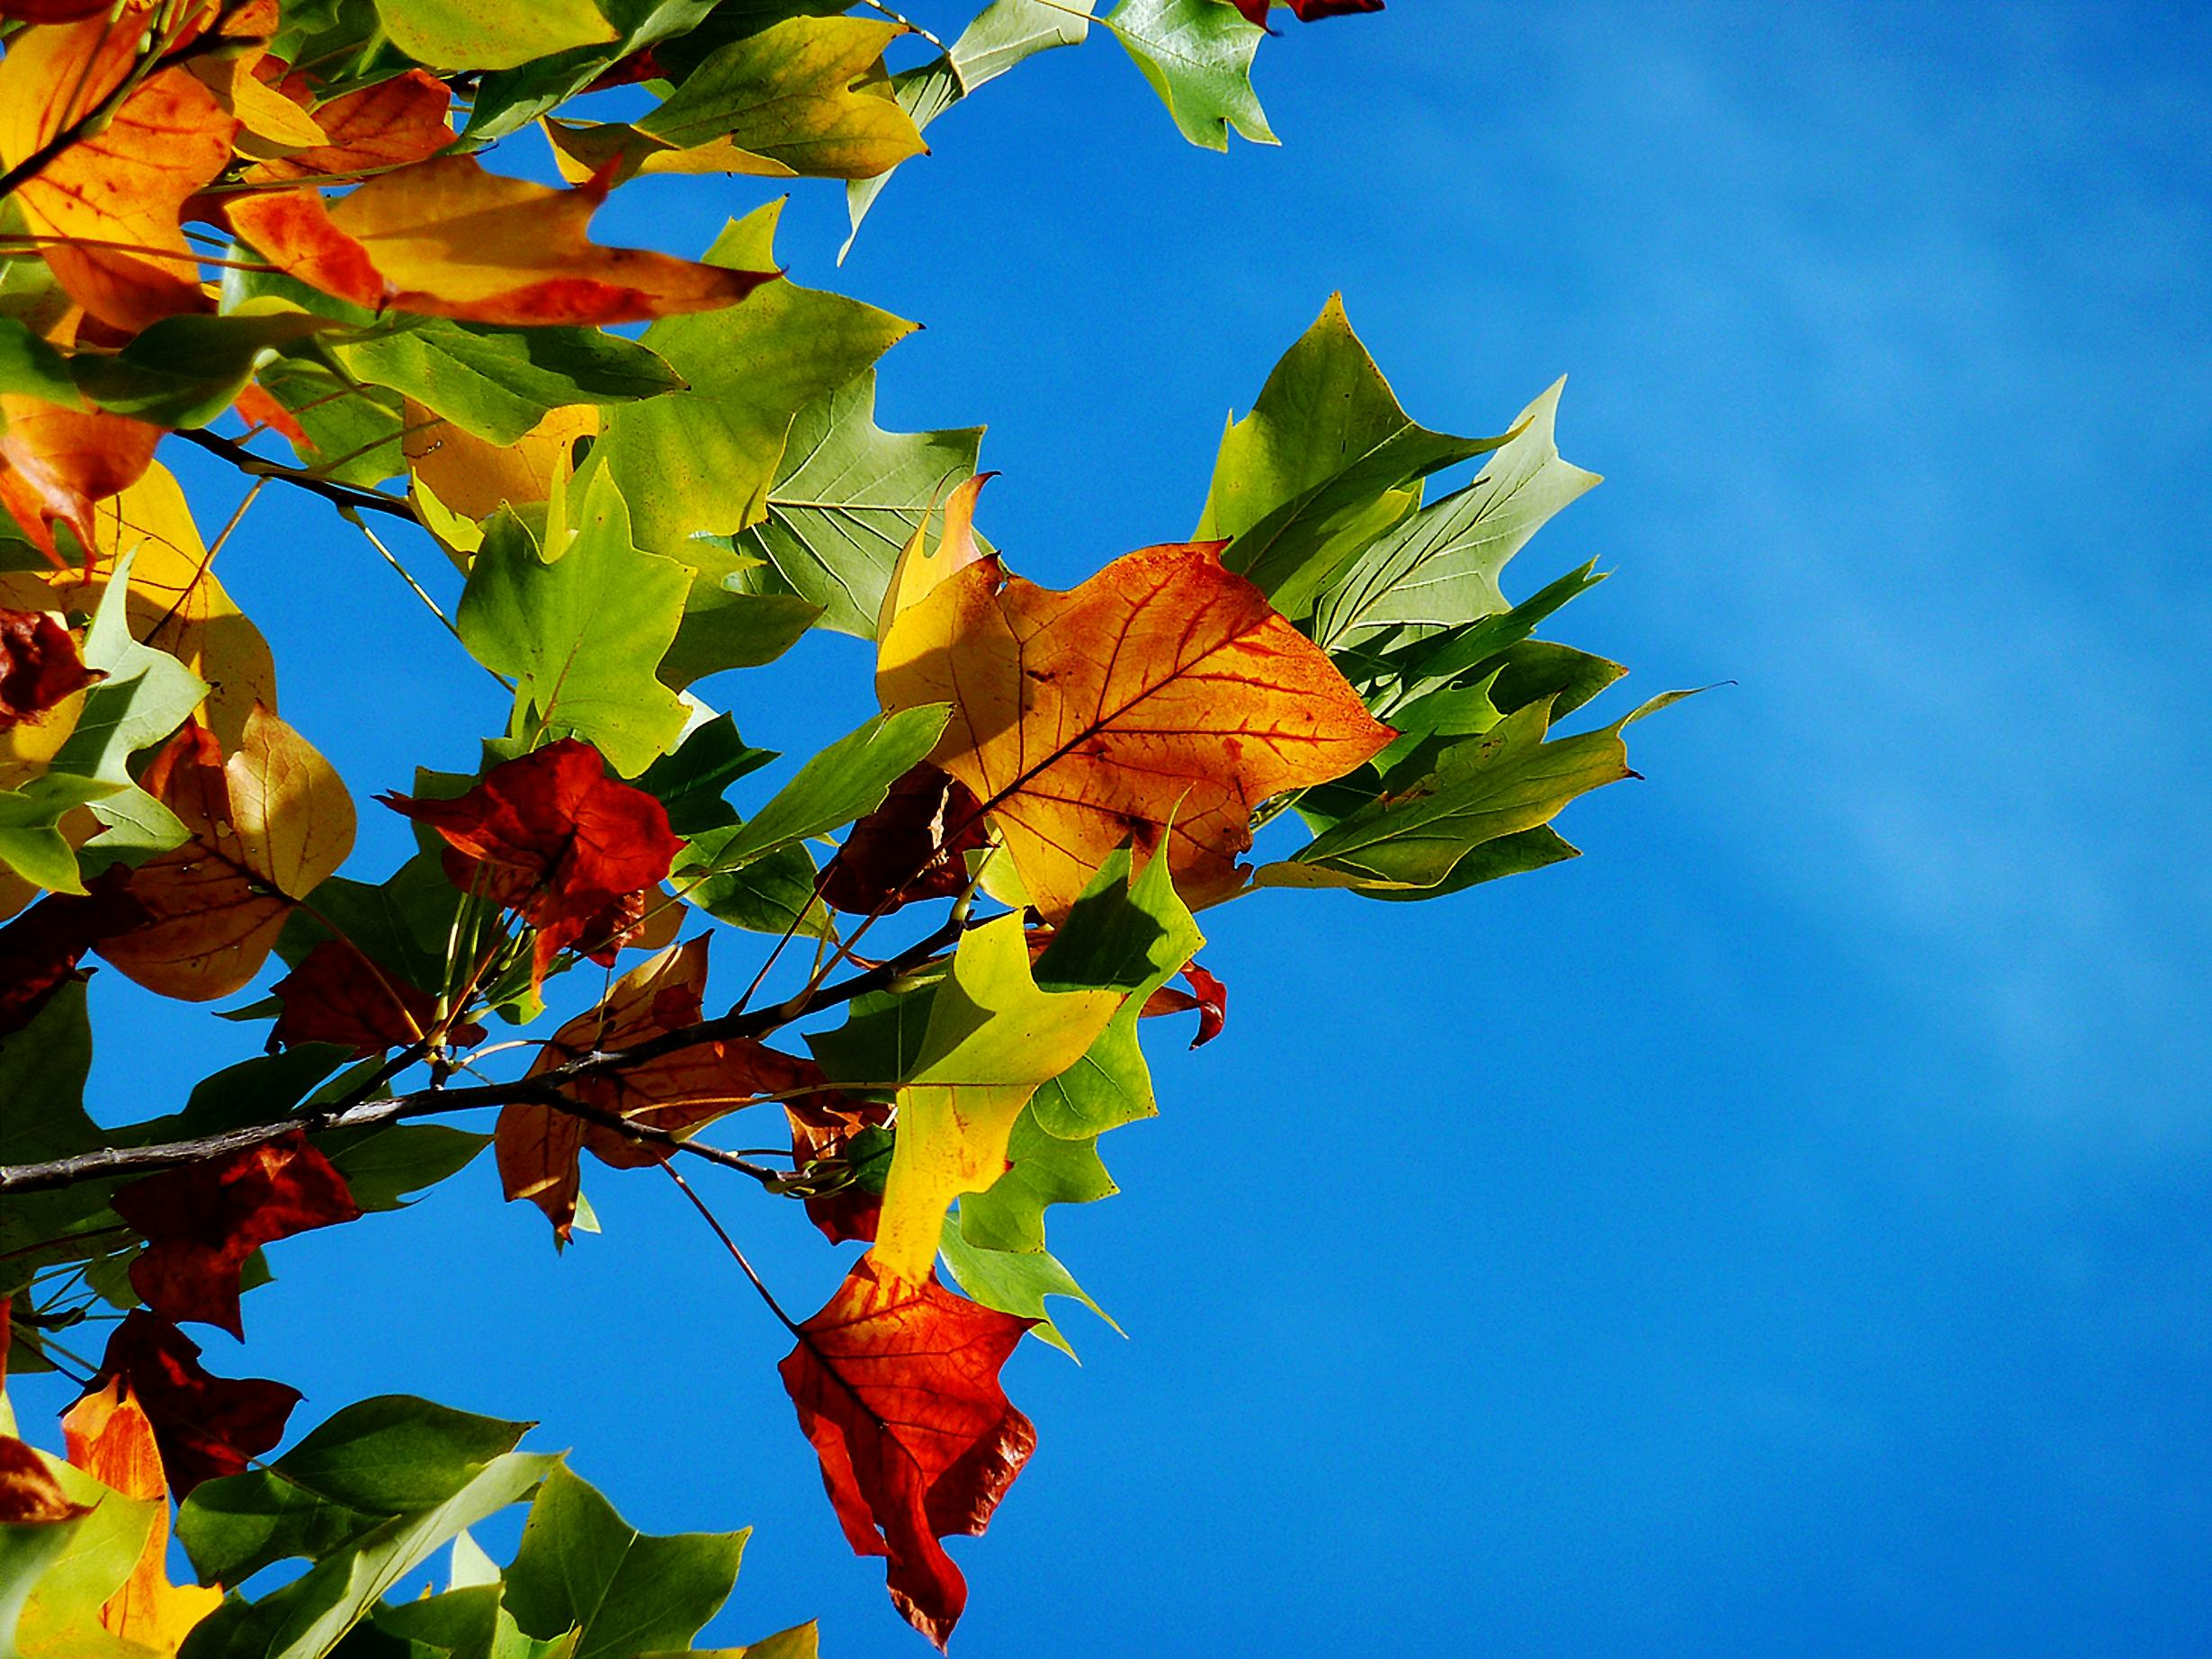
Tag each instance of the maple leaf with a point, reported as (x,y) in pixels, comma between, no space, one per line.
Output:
(203,1221)
(896,1385)
(446,238)
(56,463)
(552,837)
(41,948)
(394,123)
(110,1437)
(266,825)
(687,1089)
(206,1426)
(1163,691)
(113,203)
(337,995)
(909,848)
(38,665)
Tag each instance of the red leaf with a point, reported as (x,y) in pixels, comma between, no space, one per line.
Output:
(901,853)
(337,995)
(205,1425)
(391,124)
(822,1125)
(552,836)
(257,408)
(201,1223)
(38,665)
(897,1386)
(1212,1000)
(1307,11)
(42,947)
(52,11)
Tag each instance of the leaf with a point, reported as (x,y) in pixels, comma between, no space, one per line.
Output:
(791,100)
(389,124)
(501,383)
(57,463)
(489,35)
(203,1221)
(337,995)
(834,1128)
(1042,1169)
(266,826)
(204,1425)
(1440,567)
(582,1567)
(850,778)
(1164,688)
(474,478)
(582,632)
(993,1037)
(63,1616)
(701,461)
(911,847)
(552,836)
(1014,1282)
(1198,54)
(775,893)
(382,1167)
(124,189)
(1306,11)
(847,496)
(897,1387)
(1325,462)
(446,238)
(38,665)
(726,624)
(185,371)
(510,99)
(41,948)
(111,1438)
(691,781)
(47,1060)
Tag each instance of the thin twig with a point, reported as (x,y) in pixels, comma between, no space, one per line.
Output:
(254,466)
(736,1254)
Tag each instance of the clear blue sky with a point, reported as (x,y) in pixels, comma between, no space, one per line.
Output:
(1781,1231)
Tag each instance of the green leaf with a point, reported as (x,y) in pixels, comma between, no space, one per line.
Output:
(500,383)
(1326,462)
(581,1566)
(1198,54)
(30,841)
(1043,1171)
(701,460)
(62,1615)
(726,624)
(185,371)
(1014,1282)
(510,99)
(490,34)
(774,895)
(848,778)
(32,368)
(848,496)
(403,924)
(383,1166)
(43,1068)
(582,633)
(28,1552)
(353,430)
(690,781)
(1441,565)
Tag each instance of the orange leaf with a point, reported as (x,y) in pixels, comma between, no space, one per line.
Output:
(206,1426)
(472,476)
(389,124)
(109,1438)
(446,238)
(116,198)
(55,464)
(266,826)
(1163,690)
(897,1386)
(203,1221)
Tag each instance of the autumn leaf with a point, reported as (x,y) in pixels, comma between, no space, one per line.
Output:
(203,1221)
(110,1437)
(266,826)
(57,463)
(446,238)
(41,948)
(1162,691)
(113,203)
(678,1091)
(475,477)
(552,836)
(909,848)
(1306,11)
(38,665)
(394,123)
(337,995)
(1206,994)
(897,1386)
(832,1126)
(206,1426)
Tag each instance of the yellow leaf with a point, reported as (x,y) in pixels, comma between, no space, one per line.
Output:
(109,1438)
(293,816)
(472,476)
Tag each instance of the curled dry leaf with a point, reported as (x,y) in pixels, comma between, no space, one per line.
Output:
(110,1437)
(41,948)
(552,837)
(337,995)
(206,1426)
(390,124)
(266,826)
(113,204)
(57,464)
(446,238)
(202,1222)
(1165,691)
(38,665)
(910,848)
(897,1386)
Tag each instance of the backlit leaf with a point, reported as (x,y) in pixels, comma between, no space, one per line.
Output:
(1198,54)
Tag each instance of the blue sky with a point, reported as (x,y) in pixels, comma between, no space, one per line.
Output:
(1782,1231)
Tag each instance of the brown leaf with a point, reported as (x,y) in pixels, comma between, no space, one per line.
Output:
(552,836)
(56,464)
(337,995)
(206,1426)
(202,1222)
(38,665)
(29,1496)
(394,123)
(111,1438)
(897,1386)
(1163,691)
(909,848)
(446,238)
(41,948)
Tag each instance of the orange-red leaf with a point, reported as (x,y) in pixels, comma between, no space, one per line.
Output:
(109,1438)
(551,835)
(446,238)
(41,948)
(897,1386)
(38,665)
(389,124)
(1163,691)
(1207,994)
(257,408)
(202,1222)
(909,848)
(337,995)
(206,1426)
(57,463)
(52,11)
(824,1125)
(112,201)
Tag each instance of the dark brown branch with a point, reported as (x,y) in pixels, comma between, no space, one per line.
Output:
(330,489)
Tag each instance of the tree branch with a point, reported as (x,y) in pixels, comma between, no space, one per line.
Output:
(330,489)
